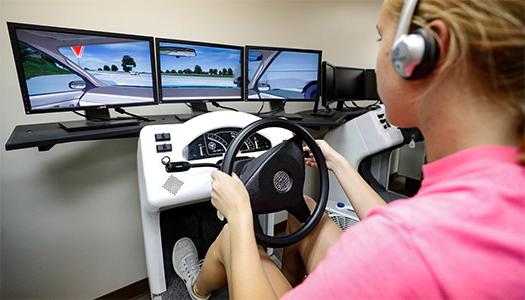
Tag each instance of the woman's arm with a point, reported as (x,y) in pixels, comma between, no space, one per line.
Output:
(360,194)
(248,280)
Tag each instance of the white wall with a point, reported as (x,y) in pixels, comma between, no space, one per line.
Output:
(70,220)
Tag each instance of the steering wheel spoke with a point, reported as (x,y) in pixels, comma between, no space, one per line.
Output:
(300,211)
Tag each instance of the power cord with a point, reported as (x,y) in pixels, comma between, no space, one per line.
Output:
(224,107)
(122,111)
(260,109)
(273,112)
(356,106)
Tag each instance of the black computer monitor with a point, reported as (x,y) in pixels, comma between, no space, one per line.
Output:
(328,84)
(349,84)
(199,72)
(282,74)
(63,69)
(370,85)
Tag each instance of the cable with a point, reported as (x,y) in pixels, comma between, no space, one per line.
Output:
(122,111)
(261,108)
(224,107)
(374,105)
(355,104)
(370,106)
(352,108)
(272,112)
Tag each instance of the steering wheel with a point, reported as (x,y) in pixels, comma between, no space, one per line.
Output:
(275,179)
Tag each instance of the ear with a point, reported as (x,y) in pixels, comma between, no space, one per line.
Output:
(442,34)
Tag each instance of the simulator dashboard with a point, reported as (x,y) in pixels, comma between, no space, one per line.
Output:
(214,143)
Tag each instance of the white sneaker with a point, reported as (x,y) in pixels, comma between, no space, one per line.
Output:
(187,265)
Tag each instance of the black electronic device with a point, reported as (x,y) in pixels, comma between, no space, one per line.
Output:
(349,84)
(370,82)
(198,72)
(327,91)
(65,69)
(279,75)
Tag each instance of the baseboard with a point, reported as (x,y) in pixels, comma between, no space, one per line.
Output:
(129,292)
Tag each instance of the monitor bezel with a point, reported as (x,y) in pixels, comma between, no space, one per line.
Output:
(326,102)
(197,43)
(319,65)
(13,27)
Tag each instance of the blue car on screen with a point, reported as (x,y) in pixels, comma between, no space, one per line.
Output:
(274,74)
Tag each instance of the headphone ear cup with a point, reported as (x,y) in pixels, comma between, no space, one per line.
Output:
(430,54)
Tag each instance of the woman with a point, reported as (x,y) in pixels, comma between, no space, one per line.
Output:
(462,235)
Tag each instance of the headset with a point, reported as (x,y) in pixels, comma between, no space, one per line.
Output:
(414,54)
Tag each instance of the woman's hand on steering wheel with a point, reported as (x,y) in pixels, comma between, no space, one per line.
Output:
(229,195)
(332,157)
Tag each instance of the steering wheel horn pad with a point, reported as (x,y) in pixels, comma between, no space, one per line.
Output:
(278,174)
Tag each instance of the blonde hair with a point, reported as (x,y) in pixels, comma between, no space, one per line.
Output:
(490,36)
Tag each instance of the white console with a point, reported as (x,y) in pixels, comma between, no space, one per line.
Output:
(357,139)
(198,140)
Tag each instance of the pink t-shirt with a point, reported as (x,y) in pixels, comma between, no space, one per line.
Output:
(461,236)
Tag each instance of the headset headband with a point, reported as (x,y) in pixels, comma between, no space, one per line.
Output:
(405,19)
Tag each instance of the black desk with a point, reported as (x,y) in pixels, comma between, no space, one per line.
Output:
(46,135)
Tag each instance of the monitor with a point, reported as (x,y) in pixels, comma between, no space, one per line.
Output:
(328,84)
(195,71)
(349,83)
(282,74)
(62,69)
(371,85)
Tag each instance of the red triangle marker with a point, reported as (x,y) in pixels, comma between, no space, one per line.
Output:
(78,50)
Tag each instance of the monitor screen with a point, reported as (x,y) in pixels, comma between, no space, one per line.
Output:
(371,85)
(195,71)
(67,69)
(328,84)
(282,74)
(349,83)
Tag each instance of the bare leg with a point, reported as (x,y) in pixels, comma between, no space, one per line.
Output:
(217,268)
(303,257)
(213,273)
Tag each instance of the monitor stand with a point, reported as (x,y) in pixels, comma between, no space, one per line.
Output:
(277,107)
(324,113)
(96,119)
(197,109)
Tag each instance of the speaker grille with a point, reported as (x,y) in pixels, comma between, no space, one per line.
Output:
(342,221)
(173,185)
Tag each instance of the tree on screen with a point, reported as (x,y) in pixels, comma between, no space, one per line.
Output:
(128,63)
(106,68)
(198,69)
(114,68)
